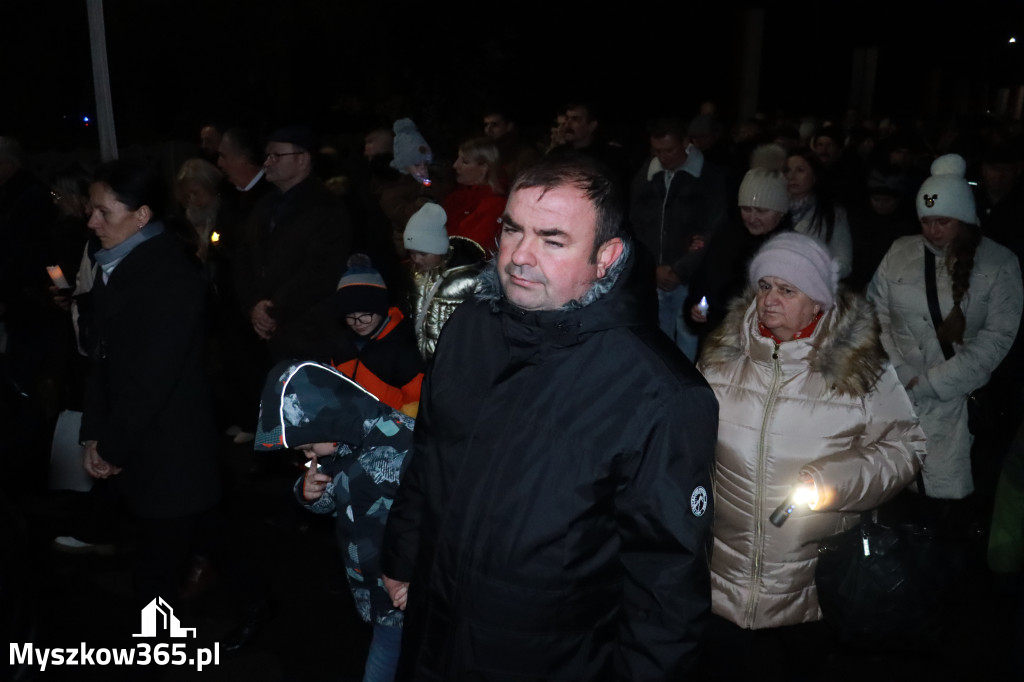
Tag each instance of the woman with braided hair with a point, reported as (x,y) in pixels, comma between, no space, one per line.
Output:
(949,301)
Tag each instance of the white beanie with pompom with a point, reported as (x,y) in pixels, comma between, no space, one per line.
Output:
(946,193)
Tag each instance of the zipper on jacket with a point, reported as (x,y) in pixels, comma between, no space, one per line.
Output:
(755,573)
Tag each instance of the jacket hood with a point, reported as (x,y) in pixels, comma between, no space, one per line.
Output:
(846,347)
(308,402)
(463,251)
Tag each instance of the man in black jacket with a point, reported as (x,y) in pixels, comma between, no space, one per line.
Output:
(554,519)
(677,203)
(289,264)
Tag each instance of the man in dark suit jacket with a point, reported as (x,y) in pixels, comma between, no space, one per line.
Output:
(298,242)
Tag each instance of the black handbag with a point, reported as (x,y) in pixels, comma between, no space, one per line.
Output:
(888,587)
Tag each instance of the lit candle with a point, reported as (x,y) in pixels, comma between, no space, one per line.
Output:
(57,277)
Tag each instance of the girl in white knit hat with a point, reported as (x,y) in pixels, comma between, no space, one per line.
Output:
(949,302)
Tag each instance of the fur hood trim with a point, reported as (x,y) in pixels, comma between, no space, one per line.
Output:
(489,289)
(846,348)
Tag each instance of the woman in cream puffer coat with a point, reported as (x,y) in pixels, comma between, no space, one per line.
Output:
(976,280)
(824,407)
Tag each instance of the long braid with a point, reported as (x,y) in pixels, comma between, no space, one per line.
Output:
(959,263)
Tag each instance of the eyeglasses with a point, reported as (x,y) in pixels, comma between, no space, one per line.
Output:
(272,157)
(361,318)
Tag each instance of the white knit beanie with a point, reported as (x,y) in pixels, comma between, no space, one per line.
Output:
(802,261)
(946,193)
(764,189)
(425,231)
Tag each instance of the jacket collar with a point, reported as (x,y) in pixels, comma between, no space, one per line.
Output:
(694,164)
(109,258)
(609,303)
(391,320)
(845,347)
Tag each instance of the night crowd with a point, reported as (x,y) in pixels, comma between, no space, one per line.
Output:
(550,387)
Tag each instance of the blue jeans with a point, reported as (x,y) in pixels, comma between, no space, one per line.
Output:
(670,319)
(382,660)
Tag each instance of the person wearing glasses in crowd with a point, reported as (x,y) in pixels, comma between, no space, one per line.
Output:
(378,349)
(300,239)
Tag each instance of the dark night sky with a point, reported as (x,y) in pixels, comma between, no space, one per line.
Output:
(347,65)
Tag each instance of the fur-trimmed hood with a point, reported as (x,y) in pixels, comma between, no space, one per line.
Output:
(846,348)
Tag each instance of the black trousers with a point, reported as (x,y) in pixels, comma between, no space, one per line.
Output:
(791,653)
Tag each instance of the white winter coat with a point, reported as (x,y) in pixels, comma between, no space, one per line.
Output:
(841,243)
(992,308)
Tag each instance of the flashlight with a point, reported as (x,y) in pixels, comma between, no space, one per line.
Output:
(802,493)
(702,307)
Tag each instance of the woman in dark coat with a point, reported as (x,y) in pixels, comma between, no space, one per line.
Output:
(148,422)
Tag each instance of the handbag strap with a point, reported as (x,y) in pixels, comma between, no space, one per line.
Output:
(931,290)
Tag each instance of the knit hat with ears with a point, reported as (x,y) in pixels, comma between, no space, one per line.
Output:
(802,261)
(946,193)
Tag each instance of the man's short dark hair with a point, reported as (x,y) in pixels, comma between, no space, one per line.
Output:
(592,178)
(246,143)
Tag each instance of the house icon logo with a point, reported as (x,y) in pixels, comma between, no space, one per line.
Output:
(158,616)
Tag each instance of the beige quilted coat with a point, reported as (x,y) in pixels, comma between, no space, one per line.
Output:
(829,406)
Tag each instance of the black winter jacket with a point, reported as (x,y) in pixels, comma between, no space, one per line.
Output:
(555,517)
(665,221)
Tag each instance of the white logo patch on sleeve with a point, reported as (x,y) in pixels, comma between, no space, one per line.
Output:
(699,501)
